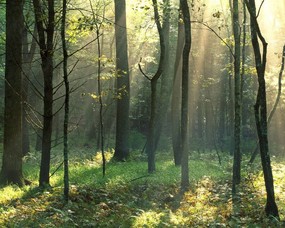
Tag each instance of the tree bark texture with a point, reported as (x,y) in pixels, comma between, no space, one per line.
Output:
(176,96)
(46,36)
(66,103)
(12,156)
(184,97)
(237,79)
(123,84)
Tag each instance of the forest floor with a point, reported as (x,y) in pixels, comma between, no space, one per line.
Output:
(129,197)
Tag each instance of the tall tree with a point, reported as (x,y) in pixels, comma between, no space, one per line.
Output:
(66,102)
(176,95)
(260,108)
(46,27)
(271,113)
(166,84)
(123,84)
(12,156)
(184,102)
(237,134)
(150,146)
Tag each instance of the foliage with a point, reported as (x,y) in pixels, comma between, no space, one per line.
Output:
(129,197)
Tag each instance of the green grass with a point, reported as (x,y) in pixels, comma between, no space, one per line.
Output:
(130,197)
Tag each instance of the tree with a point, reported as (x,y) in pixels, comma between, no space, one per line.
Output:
(66,102)
(184,97)
(237,134)
(123,84)
(176,96)
(166,82)
(150,145)
(12,156)
(271,113)
(260,108)
(45,27)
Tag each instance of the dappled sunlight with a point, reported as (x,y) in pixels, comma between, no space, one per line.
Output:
(9,193)
(148,218)
(129,195)
(257,183)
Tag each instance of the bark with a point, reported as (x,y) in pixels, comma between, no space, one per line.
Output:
(184,97)
(12,155)
(261,109)
(66,103)
(237,132)
(123,84)
(176,96)
(46,36)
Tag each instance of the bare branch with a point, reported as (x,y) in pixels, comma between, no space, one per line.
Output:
(141,70)
(212,30)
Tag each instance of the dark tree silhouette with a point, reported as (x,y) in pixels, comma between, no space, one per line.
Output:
(261,108)
(150,146)
(12,156)
(45,27)
(185,91)
(66,102)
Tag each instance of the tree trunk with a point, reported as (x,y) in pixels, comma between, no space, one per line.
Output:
(185,92)
(237,135)
(46,50)
(12,155)
(66,103)
(176,97)
(261,109)
(123,84)
(150,146)
(255,152)
(165,95)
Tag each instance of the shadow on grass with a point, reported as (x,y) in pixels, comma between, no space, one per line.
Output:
(129,197)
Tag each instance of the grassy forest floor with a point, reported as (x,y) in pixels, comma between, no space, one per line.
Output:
(129,197)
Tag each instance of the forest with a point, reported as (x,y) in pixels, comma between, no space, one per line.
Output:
(151,113)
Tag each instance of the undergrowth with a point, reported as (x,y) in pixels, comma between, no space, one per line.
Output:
(130,197)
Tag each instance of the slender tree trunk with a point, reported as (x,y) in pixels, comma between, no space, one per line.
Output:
(150,146)
(46,50)
(123,84)
(185,92)
(100,94)
(261,109)
(12,155)
(255,152)
(237,134)
(165,95)
(66,102)
(176,96)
